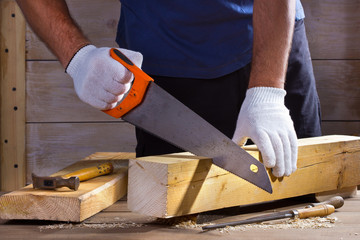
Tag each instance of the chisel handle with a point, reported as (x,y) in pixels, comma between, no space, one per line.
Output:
(317,211)
(91,172)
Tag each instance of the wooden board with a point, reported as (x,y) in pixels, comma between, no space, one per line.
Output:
(338,85)
(178,184)
(12,96)
(332,28)
(98,19)
(64,204)
(51,147)
(50,96)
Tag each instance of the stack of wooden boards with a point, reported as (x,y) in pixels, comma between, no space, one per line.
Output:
(181,184)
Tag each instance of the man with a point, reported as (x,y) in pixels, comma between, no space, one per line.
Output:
(200,52)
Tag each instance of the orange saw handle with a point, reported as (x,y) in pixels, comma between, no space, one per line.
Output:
(138,88)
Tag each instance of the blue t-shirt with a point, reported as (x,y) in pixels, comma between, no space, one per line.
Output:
(190,39)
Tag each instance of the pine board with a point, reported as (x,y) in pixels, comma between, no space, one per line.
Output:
(64,204)
(175,185)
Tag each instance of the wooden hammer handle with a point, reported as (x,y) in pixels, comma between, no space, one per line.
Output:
(317,211)
(91,172)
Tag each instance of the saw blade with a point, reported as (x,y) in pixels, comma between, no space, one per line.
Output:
(166,117)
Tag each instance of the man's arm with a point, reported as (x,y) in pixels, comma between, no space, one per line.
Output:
(263,116)
(273,23)
(98,79)
(51,21)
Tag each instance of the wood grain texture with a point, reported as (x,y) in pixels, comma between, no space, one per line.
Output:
(333,28)
(338,84)
(50,96)
(176,185)
(51,147)
(64,204)
(98,20)
(12,96)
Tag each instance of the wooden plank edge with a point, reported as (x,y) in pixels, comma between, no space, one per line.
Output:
(36,205)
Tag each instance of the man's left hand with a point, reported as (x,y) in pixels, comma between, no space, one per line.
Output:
(264,119)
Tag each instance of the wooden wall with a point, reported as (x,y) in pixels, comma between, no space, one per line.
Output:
(60,129)
(334,39)
(12,96)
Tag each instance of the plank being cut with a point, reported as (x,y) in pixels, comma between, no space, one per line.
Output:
(180,184)
(64,204)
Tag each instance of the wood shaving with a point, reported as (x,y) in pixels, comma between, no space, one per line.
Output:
(90,226)
(190,224)
(314,223)
(175,220)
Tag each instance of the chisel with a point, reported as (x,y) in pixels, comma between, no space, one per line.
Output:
(317,211)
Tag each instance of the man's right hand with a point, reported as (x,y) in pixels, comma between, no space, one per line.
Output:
(99,80)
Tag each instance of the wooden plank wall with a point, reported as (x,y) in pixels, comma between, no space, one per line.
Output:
(60,129)
(334,37)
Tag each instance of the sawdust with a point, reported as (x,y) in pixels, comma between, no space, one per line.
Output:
(175,220)
(90,226)
(313,223)
(190,224)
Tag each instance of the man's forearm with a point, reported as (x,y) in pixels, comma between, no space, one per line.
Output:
(51,21)
(273,23)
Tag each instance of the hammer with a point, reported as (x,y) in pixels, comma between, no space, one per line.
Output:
(71,180)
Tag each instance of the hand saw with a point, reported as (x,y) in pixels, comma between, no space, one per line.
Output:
(151,108)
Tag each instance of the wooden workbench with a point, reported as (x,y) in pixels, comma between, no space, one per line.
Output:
(117,222)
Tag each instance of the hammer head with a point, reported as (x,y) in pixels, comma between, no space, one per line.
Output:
(55,182)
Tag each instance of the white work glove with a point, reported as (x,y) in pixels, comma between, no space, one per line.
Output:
(99,80)
(264,119)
